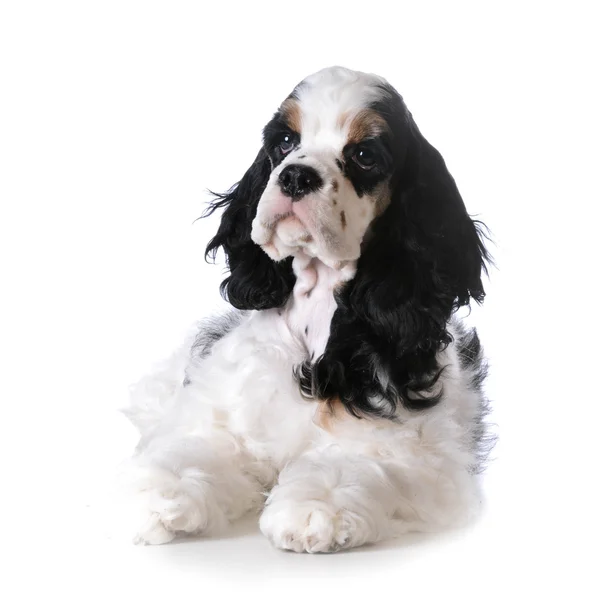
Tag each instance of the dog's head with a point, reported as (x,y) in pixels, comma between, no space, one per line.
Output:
(344,175)
(341,149)
(332,157)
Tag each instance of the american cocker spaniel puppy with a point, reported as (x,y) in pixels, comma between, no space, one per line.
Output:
(340,388)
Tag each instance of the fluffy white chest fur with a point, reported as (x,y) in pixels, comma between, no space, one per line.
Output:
(308,313)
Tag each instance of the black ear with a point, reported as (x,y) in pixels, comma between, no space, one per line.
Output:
(255,282)
(424,259)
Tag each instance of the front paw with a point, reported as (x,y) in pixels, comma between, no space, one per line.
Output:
(165,513)
(166,504)
(153,531)
(312,527)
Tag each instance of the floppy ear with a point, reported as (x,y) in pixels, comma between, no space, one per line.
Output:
(424,259)
(255,282)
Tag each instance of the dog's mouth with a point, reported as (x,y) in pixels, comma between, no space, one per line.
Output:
(284,228)
(282,234)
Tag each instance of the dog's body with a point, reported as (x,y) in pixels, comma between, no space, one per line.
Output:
(345,388)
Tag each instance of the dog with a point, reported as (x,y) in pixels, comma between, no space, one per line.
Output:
(340,397)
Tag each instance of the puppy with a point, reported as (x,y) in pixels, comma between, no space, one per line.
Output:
(339,387)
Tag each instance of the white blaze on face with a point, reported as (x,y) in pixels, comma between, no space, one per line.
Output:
(329,224)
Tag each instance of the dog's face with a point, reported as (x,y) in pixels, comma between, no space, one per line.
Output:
(329,147)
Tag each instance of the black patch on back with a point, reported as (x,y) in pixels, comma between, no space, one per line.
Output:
(474,365)
(214,329)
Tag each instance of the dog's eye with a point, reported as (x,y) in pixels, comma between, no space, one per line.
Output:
(364,158)
(288,141)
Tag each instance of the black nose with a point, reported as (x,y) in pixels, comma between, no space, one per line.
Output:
(297,180)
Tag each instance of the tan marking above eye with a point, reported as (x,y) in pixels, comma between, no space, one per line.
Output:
(366,124)
(290,109)
(335,185)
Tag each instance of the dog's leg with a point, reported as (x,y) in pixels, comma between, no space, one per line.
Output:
(329,499)
(190,485)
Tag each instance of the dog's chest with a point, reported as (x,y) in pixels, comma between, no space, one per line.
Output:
(309,311)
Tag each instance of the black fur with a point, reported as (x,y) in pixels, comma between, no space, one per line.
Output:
(275,131)
(364,181)
(424,260)
(255,281)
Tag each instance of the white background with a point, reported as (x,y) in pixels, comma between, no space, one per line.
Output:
(115,117)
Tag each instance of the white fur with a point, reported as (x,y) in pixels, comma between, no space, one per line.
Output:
(221,432)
